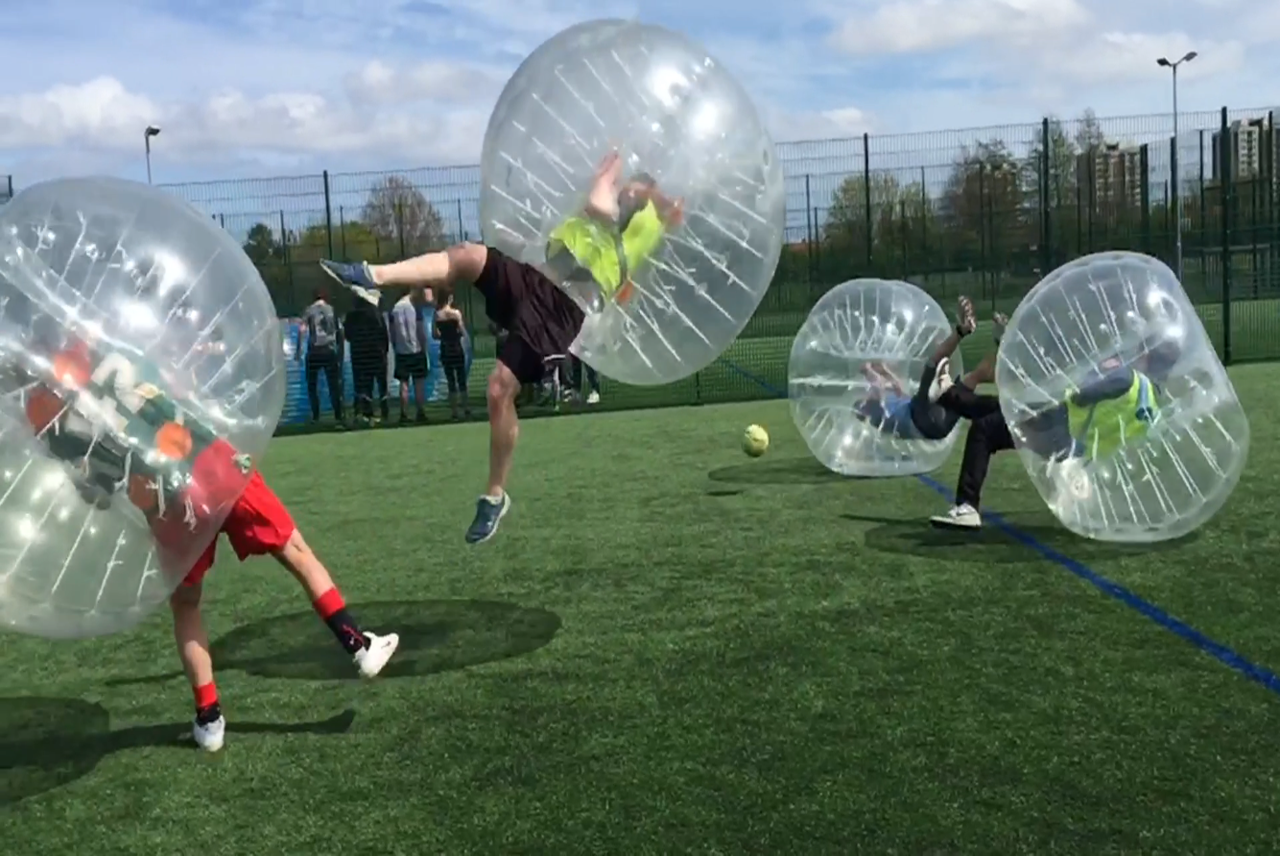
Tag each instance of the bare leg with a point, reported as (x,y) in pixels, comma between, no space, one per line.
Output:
(984,372)
(299,560)
(459,263)
(504,427)
(190,635)
(420,394)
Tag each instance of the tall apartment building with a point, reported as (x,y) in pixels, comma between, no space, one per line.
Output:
(1116,174)
(1244,140)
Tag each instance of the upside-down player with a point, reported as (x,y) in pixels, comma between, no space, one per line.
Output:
(101,406)
(620,227)
(940,401)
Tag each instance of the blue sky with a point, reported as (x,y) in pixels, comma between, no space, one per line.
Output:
(281,87)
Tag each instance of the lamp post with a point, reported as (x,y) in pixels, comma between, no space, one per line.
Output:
(151,131)
(1176,182)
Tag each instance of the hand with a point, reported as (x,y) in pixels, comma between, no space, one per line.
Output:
(611,161)
(675,213)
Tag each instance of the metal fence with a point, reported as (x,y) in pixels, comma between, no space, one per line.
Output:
(984,212)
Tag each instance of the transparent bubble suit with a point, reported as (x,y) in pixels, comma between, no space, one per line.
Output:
(674,112)
(119,301)
(1095,317)
(855,324)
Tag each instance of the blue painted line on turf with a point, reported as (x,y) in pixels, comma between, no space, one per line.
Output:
(1227,656)
(1182,630)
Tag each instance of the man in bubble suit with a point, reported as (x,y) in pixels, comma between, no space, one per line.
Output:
(1116,404)
(94,407)
(621,225)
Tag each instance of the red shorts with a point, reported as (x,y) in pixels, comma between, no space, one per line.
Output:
(258,524)
(256,521)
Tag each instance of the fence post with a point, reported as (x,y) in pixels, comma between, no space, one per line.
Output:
(342,231)
(328,212)
(462,234)
(10,187)
(1224,182)
(697,387)
(866,193)
(284,255)
(982,225)
(1046,217)
(809,228)
(1144,195)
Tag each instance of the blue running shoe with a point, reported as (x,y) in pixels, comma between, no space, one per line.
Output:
(489,513)
(355,276)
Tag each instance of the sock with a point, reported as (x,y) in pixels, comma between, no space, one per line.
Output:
(207,707)
(333,610)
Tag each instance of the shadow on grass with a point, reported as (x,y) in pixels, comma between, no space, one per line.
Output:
(435,636)
(995,545)
(46,743)
(776,471)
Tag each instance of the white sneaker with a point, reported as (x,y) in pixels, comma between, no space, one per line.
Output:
(942,380)
(210,736)
(966,319)
(371,659)
(593,397)
(963,516)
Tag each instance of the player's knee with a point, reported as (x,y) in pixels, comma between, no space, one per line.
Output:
(503,386)
(466,261)
(186,597)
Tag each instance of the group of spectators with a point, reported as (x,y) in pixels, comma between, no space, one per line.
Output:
(402,336)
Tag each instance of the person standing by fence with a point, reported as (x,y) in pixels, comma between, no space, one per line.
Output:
(323,354)
(366,333)
(451,331)
(409,339)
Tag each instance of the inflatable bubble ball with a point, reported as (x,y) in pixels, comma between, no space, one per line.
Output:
(855,380)
(142,374)
(671,262)
(1119,406)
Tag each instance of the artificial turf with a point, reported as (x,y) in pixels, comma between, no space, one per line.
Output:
(670,648)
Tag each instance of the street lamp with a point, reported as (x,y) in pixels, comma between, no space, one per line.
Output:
(1163,62)
(151,131)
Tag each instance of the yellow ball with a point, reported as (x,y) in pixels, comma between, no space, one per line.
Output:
(755,441)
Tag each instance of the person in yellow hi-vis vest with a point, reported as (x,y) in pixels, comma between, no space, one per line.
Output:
(620,228)
(1115,407)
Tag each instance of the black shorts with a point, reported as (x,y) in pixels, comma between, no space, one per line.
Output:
(542,320)
(411,367)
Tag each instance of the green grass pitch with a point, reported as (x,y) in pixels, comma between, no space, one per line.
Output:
(671,648)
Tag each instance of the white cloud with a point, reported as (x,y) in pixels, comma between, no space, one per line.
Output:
(913,26)
(251,87)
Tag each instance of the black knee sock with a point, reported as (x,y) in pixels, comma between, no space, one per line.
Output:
(333,609)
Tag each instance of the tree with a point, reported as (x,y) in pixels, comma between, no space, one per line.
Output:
(270,256)
(1049,180)
(983,204)
(351,240)
(401,217)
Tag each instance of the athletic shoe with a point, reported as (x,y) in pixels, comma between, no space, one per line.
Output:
(593,397)
(942,380)
(966,319)
(209,736)
(489,513)
(371,659)
(355,276)
(963,516)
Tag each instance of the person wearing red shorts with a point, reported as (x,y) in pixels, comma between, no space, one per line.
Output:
(541,320)
(203,488)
